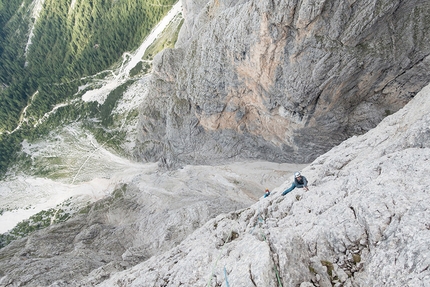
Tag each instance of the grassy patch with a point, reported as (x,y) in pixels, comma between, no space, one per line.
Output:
(329,266)
(312,270)
(356,258)
(388,113)
(167,39)
(110,103)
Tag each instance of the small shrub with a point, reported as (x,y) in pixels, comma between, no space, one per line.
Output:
(356,258)
(329,266)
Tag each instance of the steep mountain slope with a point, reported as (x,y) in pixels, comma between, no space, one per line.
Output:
(52,52)
(80,149)
(149,212)
(364,222)
(282,80)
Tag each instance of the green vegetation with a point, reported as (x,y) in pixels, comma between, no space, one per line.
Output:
(36,222)
(356,258)
(329,266)
(107,129)
(110,103)
(69,44)
(70,48)
(15,85)
(106,203)
(388,113)
(166,40)
(61,213)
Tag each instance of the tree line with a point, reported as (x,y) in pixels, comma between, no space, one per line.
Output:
(69,43)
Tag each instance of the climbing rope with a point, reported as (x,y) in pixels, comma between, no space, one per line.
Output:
(225,276)
(261,220)
(216,262)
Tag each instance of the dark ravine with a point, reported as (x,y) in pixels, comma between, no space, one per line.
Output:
(281,80)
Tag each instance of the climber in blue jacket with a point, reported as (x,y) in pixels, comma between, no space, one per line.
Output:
(299,181)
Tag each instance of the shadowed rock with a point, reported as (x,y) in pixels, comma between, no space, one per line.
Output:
(281,80)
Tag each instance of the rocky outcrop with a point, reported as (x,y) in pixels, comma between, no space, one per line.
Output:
(364,222)
(281,80)
(146,216)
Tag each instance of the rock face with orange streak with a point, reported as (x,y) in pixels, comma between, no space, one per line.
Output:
(281,80)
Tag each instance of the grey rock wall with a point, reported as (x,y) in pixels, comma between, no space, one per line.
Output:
(146,216)
(281,80)
(364,222)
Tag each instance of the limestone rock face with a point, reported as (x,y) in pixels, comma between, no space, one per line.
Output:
(282,80)
(150,214)
(364,222)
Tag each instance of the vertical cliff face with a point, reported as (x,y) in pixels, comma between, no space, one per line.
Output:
(282,80)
